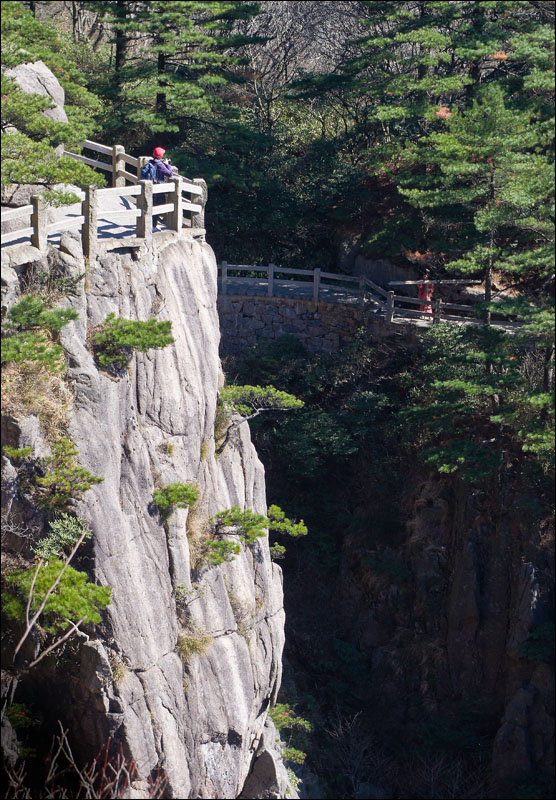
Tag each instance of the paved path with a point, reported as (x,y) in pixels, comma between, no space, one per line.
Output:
(110,225)
(258,288)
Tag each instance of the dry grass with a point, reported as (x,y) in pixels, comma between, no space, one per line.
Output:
(119,670)
(30,389)
(221,425)
(198,534)
(192,642)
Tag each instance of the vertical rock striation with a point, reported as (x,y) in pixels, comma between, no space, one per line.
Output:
(200,722)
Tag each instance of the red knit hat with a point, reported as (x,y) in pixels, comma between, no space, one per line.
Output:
(158,152)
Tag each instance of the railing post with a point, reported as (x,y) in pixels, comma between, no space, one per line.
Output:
(198,219)
(270,289)
(39,237)
(390,307)
(224,277)
(89,233)
(316,284)
(175,217)
(362,290)
(118,165)
(145,205)
(436,310)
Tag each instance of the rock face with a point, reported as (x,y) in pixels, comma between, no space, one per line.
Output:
(198,723)
(37,78)
(451,626)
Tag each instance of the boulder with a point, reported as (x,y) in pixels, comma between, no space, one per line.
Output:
(37,78)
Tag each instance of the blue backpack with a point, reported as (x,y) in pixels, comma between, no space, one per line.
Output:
(149,172)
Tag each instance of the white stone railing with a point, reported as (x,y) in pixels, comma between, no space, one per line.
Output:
(185,205)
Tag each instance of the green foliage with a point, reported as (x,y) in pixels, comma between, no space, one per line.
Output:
(277,551)
(249,401)
(294,729)
(174,495)
(221,550)
(472,395)
(64,532)
(285,718)
(279,523)
(19,716)
(32,347)
(16,453)
(28,333)
(118,337)
(74,598)
(29,138)
(65,479)
(293,755)
(179,71)
(248,527)
(539,645)
(29,313)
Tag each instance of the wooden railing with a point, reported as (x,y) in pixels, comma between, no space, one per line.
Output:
(361,290)
(185,206)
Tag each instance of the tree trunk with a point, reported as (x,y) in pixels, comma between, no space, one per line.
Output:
(161,105)
(121,42)
(548,372)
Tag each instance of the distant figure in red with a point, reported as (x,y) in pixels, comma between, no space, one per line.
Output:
(424,292)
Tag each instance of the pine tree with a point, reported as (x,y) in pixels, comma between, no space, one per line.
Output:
(170,60)
(487,188)
(29,138)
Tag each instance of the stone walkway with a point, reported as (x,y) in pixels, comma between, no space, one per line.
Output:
(110,225)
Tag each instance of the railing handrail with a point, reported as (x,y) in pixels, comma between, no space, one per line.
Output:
(187,196)
(434,309)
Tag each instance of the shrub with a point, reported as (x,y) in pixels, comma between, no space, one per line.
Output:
(288,722)
(64,533)
(73,599)
(284,717)
(293,755)
(174,495)
(29,329)
(32,347)
(250,401)
(220,550)
(65,479)
(193,642)
(279,523)
(16,453)
(113,345)
(248,527)
(277,551)
(30,314)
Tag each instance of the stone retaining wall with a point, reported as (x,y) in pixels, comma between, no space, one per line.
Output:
(321,327)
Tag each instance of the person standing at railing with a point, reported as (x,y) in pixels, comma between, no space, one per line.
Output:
(157,169)
(425,290)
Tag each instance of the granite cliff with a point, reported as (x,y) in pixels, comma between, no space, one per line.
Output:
(198,720)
